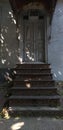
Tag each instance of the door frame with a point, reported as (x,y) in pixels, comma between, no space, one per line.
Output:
(34,21)
(21,41)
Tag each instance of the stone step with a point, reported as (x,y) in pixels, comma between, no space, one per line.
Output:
(33,76)
(37,91)
(32,70)
(35,111)
(34,83)
(28,66)
(25,92)
(34,100)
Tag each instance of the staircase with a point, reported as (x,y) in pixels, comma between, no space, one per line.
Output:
(34,91)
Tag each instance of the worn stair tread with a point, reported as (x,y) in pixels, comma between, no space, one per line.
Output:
(32,68)
(33,65)
(34,80)
(36,111)
(35,88)
(35,97)
(37,108)
(26,63)
(44,74)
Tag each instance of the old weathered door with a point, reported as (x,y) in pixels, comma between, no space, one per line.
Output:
(34,44)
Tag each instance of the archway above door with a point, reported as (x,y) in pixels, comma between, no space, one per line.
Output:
(19,4)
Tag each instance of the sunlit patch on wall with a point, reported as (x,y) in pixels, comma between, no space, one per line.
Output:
(2,37)
(14,72)
(1,41)
(20,59)
(55,75)
(11,15)
(9,54)
(59,73)
(3,61)
(5,30)
(14,21)
(7,73)
(7,49)
(10,12)
(7,76)
(19,37)
(60,10)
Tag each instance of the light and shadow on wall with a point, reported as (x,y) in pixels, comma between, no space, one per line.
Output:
(57,75)
(6,53)
(9,53)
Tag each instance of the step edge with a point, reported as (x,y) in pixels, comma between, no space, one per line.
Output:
(35,97)
(35,108)
(44,74)
(36,80)
(35,88)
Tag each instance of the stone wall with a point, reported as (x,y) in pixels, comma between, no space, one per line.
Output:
(8,39)
(55,47)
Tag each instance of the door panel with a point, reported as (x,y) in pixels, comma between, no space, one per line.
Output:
(39,40)
(34,40)
(28,42)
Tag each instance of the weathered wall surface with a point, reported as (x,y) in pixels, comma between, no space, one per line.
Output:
(55,50)
(8,40)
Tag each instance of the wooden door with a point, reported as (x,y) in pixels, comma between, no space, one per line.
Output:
(34,36)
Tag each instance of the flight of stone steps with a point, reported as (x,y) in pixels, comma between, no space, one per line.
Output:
(34,91)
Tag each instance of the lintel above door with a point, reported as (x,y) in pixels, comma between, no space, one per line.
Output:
(19,4)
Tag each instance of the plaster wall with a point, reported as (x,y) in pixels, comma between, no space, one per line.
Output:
(8,38)
(55,47)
